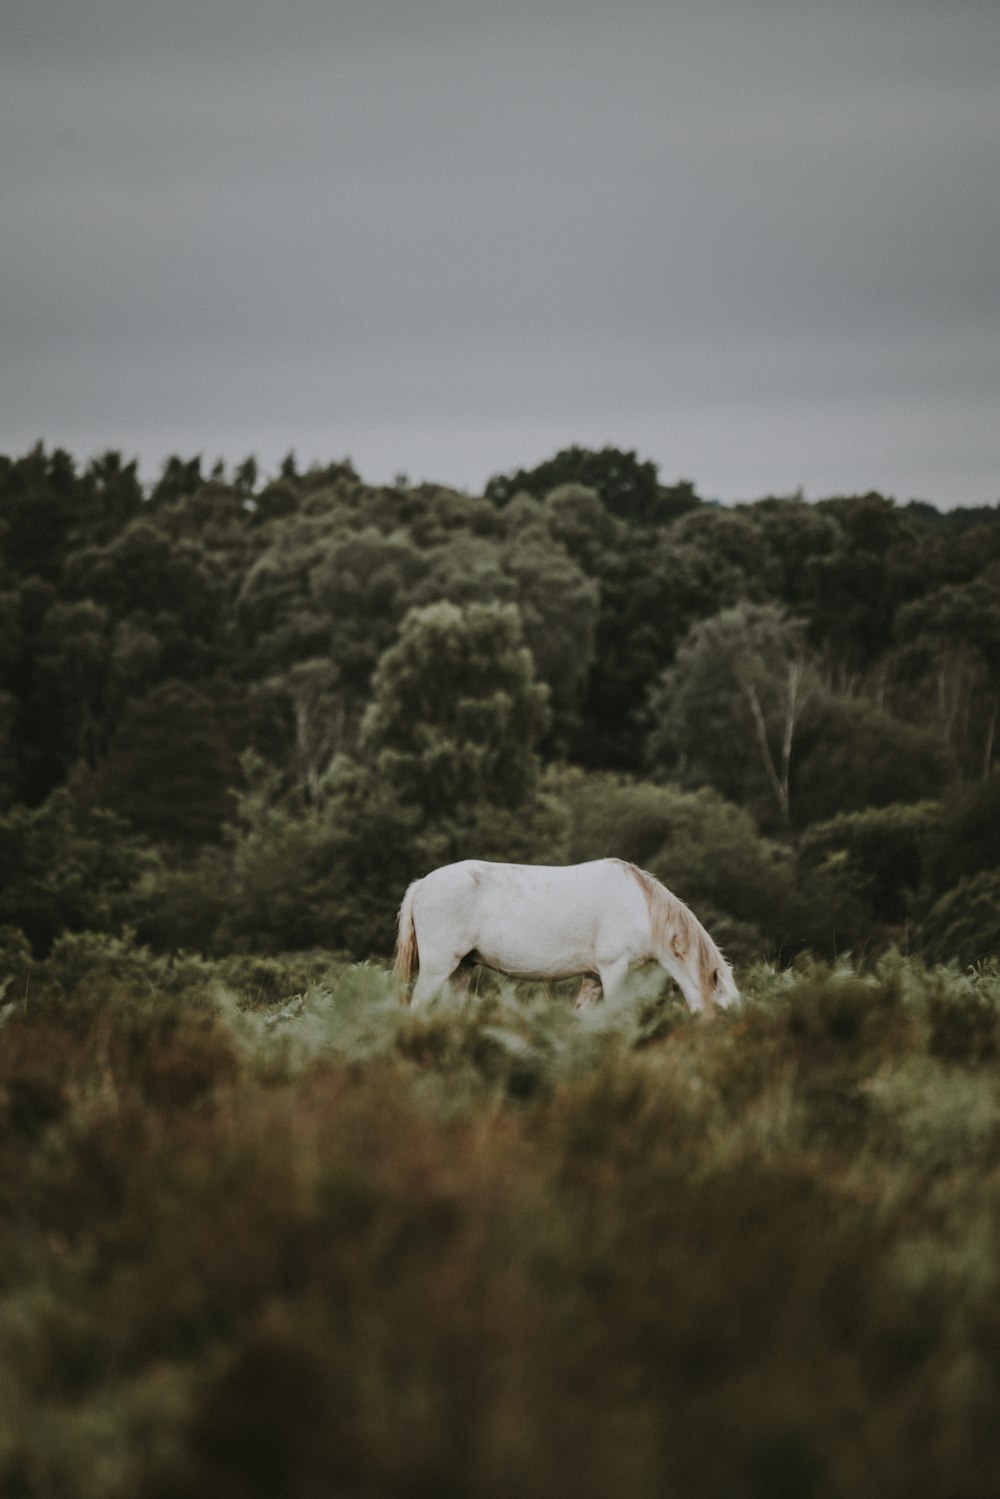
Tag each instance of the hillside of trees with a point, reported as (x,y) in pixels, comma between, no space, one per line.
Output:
(239,716)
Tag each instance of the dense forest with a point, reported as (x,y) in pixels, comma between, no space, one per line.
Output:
(265,1230)
(239,716)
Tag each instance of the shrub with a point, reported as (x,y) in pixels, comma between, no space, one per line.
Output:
(338,1246)
(63,867)
(963,926)
(967,838)
(878,855)
(84,961)
(964,1021)
(15,964)
(853,755)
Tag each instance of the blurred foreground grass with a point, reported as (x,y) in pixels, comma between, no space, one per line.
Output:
(256,1242)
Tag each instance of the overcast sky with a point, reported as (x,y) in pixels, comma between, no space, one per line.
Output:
(758,241)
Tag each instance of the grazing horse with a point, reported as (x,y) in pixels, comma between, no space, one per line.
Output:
(535,921)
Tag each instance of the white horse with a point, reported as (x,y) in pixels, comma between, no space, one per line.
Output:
(551,922)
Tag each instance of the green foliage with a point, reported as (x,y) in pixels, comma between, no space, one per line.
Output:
(629,487)
(455,712)
(184,903)
(171,769)
(82,962)
(968,834)
(330,1245)
(727,710)
(878,856)
(63,867)
(364,585)
(654,586)
(558,607)
(37,511)
(954,633)
(575,516)
(964,1019)
(855,588)
(853,754)
(16,961)
(963,925)
(819,661)
(793,533)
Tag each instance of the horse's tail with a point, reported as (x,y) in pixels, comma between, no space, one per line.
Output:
(406,938)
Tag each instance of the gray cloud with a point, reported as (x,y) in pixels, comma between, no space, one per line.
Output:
(757,242)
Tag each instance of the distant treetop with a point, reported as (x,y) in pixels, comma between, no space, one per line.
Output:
(629,487)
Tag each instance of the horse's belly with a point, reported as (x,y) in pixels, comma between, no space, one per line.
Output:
(517,966)
(550,953)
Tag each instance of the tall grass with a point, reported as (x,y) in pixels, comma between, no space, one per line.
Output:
(317,1244)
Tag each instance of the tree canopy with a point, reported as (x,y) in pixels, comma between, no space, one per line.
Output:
(422,672)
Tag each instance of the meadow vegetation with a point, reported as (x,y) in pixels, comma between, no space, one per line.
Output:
(266,1231)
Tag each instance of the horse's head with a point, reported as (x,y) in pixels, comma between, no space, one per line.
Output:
(714,987)
(722,988)
(683,947)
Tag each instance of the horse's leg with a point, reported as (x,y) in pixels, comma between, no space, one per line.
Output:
(431,981)
(590,993)
(612,976)
(441,974)
(457,987)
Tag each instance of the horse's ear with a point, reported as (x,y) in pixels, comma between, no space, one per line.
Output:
(715,978)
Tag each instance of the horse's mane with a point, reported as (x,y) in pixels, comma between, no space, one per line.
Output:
(675,926)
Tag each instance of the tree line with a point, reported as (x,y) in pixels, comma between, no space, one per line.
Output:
(239,714)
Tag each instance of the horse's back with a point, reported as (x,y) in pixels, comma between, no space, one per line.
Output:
(571,885)
(536,920)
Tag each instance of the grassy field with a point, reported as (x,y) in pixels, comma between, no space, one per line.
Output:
(264,1232)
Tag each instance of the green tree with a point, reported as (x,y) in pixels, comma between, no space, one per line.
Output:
(879,855)
(963,926)
(362,586)
(628,486)
(949,642)
(557,601)
(727,712)
(112,498)
(318,710)
(178,476)
(456,712)
(854,754)
(730,548)
(968,834)
(143,572)
(558,605)
(8,749)
(282,871)
(574,515)
(431,515)
(854,590)
(793,533)
(65,867)
(39,496)
(245,478)
(64,719)
(321,591)
(651,589)
(172,766)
